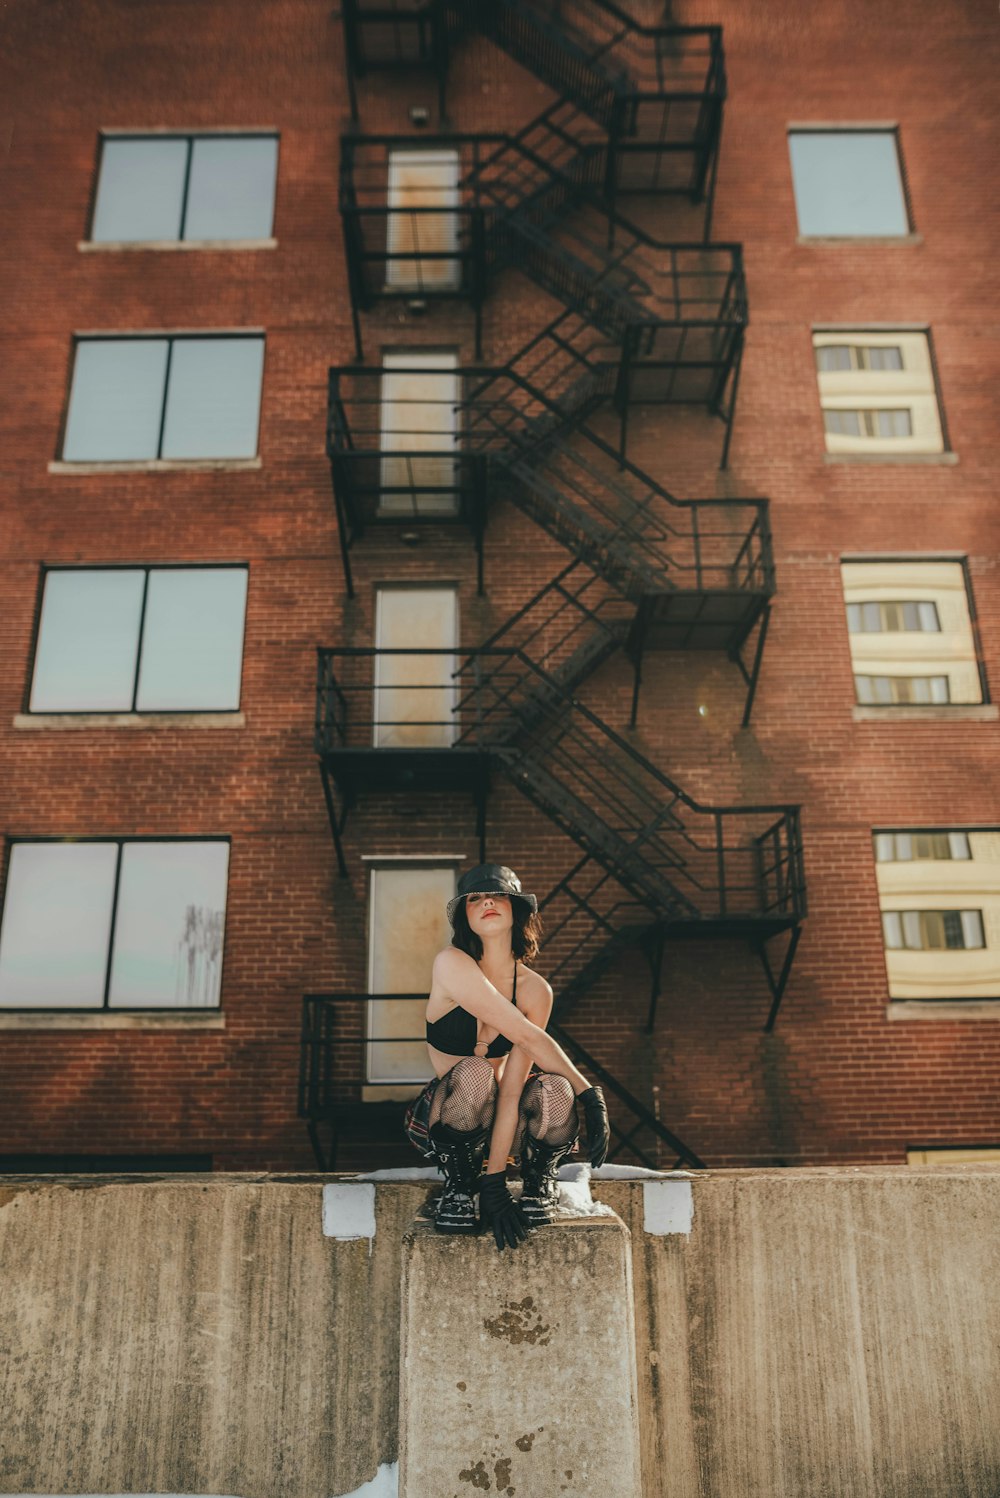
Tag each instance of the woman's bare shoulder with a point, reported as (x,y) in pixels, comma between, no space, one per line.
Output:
(536,992)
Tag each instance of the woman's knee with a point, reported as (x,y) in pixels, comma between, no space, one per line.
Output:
(558,1089)
(474,1072)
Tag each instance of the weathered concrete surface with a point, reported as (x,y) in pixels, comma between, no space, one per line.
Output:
(824,1333)
(195,1334)
(518,1370)
(815,1334)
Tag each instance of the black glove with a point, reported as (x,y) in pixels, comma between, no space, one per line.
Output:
(595,1114)
(499,1210)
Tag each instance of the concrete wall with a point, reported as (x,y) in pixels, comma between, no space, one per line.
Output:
(800,1333)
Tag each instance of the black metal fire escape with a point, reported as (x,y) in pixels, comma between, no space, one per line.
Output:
(643,320)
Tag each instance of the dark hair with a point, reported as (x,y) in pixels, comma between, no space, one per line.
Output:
(525,932)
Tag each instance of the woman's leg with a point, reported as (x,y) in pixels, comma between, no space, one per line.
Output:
(460,1118)
(547,1131)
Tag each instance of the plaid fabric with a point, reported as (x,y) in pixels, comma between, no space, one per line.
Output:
(416,1119)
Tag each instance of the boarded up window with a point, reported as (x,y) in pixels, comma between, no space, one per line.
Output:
(407,927)
(422,231)
(415,696)
(910,632)
(419,436)
(877,392)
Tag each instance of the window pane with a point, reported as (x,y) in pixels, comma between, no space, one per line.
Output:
(140,190)
(56,922)
(847,182)
(972,928)
(958,843)
(833,356)
(213,403)
(904,845)
(892,423)
(192,646)
(87,641)
(169,929)
(912,934)
(884,358)
(231,192)
(929,617)
(892,929)
(843,423)
(116,400)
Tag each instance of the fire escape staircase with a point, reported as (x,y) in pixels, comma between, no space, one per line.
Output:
(647,571)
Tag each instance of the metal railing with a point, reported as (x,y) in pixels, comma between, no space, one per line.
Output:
(688,862)
(335,1050)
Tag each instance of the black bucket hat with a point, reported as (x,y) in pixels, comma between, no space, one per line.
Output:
(490,879)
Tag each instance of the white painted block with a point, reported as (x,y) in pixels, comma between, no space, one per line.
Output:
(668,1207)
(349,1210)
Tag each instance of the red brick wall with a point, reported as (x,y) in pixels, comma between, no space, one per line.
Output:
(835,1081)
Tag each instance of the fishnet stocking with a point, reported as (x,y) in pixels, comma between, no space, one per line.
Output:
(466,1096)
(547,1111)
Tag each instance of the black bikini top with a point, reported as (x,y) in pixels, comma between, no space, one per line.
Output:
(455,1032)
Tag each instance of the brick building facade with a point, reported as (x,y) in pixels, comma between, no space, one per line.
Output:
(885,1042)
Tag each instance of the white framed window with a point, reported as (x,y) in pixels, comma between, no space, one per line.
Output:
(407,927)
(415,694)
(113,923)
(136,399)
(877,392)
(910,632)
(419,410)
(848,183)
(939,902)
(184,187)
(139,639)
(422,222)
(901,847)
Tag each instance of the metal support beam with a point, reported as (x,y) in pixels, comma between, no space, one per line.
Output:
(653,951)
(337,823)
(326,1159)
(731,416)
(751,676)
(777,987)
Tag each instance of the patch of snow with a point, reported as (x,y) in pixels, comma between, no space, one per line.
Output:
(402,1173)
(385,1484)
(639,1173)
(348,1210)
(668,1207)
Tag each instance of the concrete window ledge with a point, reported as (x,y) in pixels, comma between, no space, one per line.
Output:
(904,1009)
(62,721)
(160,465)
(111,1020)
(831,241)
(116,246)
(958,712)
(946,460)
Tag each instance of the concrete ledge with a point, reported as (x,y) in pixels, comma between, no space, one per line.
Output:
(943,1009)
(517,1370)
(954,712)
(160,465)
(947,460)
(24,1019)
(116,246)
(129,720)
(834,241)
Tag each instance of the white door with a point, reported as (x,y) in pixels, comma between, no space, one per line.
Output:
(422,222)
(407,927)
(415,695)
(419,422)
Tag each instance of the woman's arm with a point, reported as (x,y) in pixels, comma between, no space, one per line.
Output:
(515,1072)
(463,981)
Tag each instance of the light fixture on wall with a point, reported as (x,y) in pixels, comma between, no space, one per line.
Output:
(417,305)
(419,114)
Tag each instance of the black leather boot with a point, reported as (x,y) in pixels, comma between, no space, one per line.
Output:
(540,1164)
(459,1156)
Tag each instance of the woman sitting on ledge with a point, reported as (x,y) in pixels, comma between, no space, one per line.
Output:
(486,1017)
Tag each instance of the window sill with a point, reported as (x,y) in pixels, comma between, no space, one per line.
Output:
(116,246)
(825,241)
(111,1020)
(158,465)
(947,460)
(956,712)
(904,1009)
(130,720)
